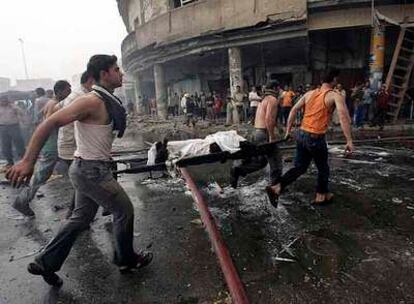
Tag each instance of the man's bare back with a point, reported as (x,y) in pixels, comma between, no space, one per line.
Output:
(262,109)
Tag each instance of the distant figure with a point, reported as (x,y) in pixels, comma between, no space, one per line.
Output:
(203,105)
(174,104)
(50,94)
(383,98)
(10,133)
(210,104)
(287,103)
(238,109)
(40,101)
(254,99)
(153,107)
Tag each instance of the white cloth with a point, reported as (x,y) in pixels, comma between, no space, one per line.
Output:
(227,141)
(254,99)
(94,142)
(66,136)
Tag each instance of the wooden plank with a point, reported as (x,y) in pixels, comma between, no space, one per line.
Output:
(395,57)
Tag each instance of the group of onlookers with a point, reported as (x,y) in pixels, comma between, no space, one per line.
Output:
(365,105)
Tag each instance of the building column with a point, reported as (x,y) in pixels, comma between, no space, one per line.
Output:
(376,69)
(138,95)
(235,69)
(160,90)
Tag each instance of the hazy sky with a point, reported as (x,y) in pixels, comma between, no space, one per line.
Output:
(59,36)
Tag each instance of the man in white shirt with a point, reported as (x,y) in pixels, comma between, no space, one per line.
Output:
(66,136)
(254,99)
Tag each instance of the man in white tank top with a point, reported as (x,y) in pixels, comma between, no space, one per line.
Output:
(90,174)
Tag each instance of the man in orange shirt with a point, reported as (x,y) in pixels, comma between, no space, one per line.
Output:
(287,103)
(318,107)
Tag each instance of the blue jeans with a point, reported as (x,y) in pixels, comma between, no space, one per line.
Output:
(43,170)
(309,147)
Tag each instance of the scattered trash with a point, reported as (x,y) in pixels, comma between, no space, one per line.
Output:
(15,217)
(57,208)
(28,254)
(279,259)
(137,234)
(197,222)
(397,200)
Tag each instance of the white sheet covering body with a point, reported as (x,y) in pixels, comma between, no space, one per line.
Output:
(227,141)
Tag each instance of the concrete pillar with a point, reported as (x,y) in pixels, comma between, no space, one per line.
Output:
(138,95)
(160,90)
(235,69)
(376,69)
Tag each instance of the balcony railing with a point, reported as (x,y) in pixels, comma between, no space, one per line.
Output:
(129,45)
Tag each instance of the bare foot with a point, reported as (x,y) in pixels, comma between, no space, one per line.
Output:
(276,189)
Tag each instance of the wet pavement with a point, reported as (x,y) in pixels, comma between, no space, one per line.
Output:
(357,250)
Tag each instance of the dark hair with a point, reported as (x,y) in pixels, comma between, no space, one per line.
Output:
(85,76)
(99,63)
(40,92)
(271,85)
(330,75)
(60,86)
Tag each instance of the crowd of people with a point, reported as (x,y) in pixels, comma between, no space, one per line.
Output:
(365,105)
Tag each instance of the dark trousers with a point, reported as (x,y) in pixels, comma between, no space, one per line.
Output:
(11,135)
(94,186)
(309,148)
(380,115)
(285,114)
(256,163)
(253,111)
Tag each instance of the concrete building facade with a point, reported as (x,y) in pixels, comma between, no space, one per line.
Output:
(215,45)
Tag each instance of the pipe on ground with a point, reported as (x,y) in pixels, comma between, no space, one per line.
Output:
(231,276)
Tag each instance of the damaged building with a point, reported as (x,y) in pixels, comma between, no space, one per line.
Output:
(215,45)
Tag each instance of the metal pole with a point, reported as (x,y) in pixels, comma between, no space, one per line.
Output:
(231,276)
(24,57)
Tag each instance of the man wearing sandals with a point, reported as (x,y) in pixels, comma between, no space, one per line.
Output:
(98,116)
(318,106)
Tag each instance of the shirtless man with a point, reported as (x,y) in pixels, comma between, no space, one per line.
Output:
(318,107)
(98,116)
(265,124)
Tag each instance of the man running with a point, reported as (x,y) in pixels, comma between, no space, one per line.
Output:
(48,154)
(265,124)
(318,107)
(97,116)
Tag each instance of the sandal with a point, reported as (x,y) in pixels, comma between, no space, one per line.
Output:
(142,259)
